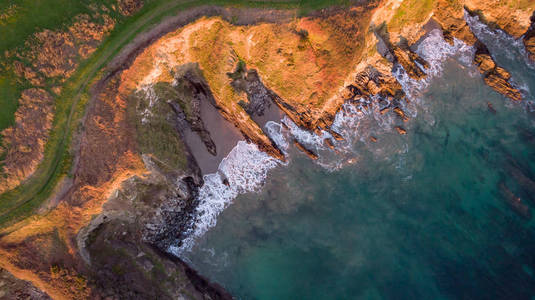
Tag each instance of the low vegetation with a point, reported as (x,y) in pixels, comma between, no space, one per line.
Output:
(156,133)
(411,12)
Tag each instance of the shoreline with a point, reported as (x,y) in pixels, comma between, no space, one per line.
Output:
(129,167)
(431,28)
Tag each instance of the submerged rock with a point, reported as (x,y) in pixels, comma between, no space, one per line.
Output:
(401,114)
(329,143)
(401,130)
(514,202)
(305,150)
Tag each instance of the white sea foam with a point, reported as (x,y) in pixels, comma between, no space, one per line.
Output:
(435,50)
(245,168)
(275,131)
(304,136)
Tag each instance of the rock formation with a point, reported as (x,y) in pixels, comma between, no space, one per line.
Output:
(494,76)
(135,180)
(529,39)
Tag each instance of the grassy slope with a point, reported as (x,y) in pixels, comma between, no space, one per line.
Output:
(410,12)
(22,201)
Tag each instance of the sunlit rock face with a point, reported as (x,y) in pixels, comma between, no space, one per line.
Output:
(307,66)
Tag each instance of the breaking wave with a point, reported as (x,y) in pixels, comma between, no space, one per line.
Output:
(245,169)
(435,50)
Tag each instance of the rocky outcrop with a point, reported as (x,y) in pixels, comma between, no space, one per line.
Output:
(450,16)
(494,76)
(373,82)
(401,53)
(25,142)
(529,39)
(510,16)
(411,62)
(259,98)
(123,245)
(305,150)
(401,130)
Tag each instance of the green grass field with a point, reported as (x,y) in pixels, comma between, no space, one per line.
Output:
(8,92)
(23,200)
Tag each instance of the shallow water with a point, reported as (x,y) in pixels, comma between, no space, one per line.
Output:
(418,216)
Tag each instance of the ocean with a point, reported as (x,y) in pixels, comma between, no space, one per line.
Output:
(442,212)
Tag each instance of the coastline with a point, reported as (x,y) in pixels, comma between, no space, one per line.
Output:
(121,158)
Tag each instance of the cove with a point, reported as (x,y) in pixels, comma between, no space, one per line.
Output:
(427,215)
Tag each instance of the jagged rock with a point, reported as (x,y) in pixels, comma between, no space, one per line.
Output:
(411,62)
(373,82)
(494,76)
(305,150)
(329,143)
(401,114)
(529,39)
(401,130)
(450,16)
(484,62)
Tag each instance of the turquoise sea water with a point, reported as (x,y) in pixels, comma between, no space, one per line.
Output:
(428,215)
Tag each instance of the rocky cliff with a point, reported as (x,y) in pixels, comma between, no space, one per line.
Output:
(135,176)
